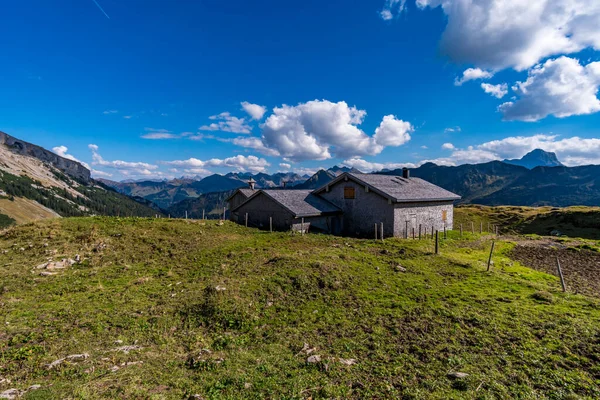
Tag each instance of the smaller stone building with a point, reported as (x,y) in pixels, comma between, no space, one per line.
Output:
(352,204)
(285,210)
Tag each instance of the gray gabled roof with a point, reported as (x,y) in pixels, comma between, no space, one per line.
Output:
(301,203)
(245,191)
(396,188)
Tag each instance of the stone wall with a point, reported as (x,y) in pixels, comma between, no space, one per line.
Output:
(429,214)
(363,212)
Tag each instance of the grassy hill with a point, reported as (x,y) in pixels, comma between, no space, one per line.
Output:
(165,309)
(577,221)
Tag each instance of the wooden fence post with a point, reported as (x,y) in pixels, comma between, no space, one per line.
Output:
(491,252)
(302,227)
(431,231)
(246,220)
(437,243)
(223,213)
(186,214)
(381,233)
(203,214)
(271,224)
(406,230)
(445,236)
(419,231)
(375,230)
(560,274)
(472,227)
(481,227)
(413,231)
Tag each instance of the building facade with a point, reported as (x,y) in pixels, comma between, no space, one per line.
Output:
(361,203)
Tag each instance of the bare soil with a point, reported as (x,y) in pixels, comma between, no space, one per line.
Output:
(580,267)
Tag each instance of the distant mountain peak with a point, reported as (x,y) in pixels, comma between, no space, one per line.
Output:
(537,158)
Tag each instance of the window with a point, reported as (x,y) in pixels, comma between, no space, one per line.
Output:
(444,215)
(349,192)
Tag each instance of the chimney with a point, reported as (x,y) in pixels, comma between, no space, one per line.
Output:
(251,183)
(405,173)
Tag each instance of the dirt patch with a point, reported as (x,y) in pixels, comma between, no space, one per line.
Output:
(581,268)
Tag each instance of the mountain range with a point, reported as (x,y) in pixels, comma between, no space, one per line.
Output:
(36,183)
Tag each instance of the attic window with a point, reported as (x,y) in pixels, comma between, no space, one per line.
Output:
(349,192)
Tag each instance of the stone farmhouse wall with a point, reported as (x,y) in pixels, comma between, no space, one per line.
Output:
(363,212)
(429,214)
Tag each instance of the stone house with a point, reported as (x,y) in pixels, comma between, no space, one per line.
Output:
(352,204)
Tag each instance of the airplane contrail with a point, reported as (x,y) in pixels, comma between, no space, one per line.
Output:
(101,9)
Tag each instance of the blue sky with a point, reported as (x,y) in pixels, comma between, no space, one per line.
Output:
(371,84)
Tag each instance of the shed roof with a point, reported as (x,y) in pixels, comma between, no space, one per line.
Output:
(301,203)
(397,188)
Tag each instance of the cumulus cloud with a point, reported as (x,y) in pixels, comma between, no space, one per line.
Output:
(561,87)
(225,122)
(63,152)
(499,34)
(448,146)
(239,162)
(285,166)
(571,151)
(255,144)
(317,129)
(255,111)
(124,167)
(368,166)
(471,74)
(108,112)
(498,91)
(392,132)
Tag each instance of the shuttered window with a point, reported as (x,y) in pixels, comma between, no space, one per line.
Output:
(349,192)
(444,215)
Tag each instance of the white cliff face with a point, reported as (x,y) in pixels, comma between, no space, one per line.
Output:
(71,168)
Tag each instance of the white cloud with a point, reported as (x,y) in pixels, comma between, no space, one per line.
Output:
(239,162)
(471,74)
(571,151)
(127,116)
(367,166)
(255,111)
(498,91)
(227,123)
(124,167)
(62,151)
(158,134)
(255,144)
(285,166)
(448,146)
(101,174)
(561,87)
(317,129)
(390,8)
(453,129)
(499,34)
(392,132)
(108,112)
